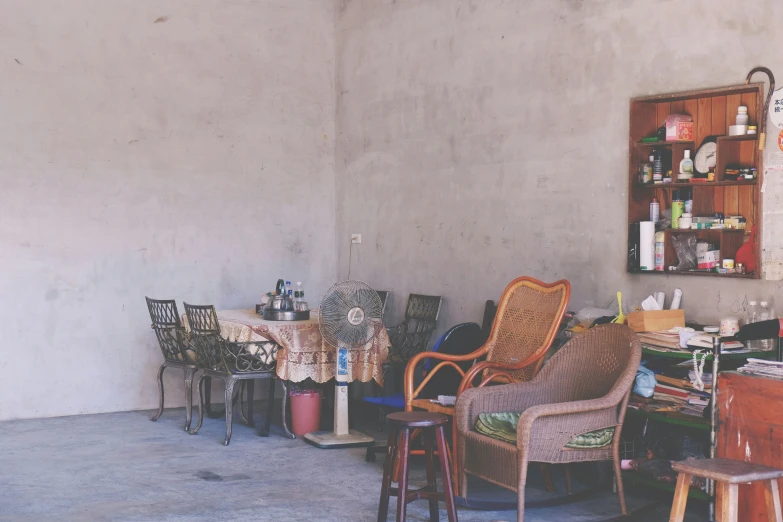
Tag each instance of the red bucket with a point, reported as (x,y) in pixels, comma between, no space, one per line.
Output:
(305,411)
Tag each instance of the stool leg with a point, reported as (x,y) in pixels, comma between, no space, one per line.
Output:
(772,496)
(402,485)
(431,480)
(445,471)
(388,468)
(680,497)
(730,503)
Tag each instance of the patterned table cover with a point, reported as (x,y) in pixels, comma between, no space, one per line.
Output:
(303,353)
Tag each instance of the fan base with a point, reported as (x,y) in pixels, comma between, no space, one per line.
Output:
(329,440)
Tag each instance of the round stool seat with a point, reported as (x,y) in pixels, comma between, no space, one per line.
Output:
(417,419)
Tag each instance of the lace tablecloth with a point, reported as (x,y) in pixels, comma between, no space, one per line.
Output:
(303,353)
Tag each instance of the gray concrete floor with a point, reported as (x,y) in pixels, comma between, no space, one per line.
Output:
(120,466)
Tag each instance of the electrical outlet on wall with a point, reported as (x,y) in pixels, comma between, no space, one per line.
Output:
(356,238)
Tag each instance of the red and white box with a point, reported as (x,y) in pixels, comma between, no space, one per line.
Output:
(709,259)
(679,127)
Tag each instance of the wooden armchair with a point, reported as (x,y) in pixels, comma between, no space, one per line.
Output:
(528,315)
(584,388)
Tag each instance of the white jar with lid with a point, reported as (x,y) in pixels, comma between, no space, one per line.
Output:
(686,220)
(742,115)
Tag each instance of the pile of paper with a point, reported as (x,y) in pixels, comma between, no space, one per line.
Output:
(763,368)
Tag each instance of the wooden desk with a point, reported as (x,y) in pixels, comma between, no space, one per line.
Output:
(750,429)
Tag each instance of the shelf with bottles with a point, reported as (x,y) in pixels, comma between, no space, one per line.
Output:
(713,112)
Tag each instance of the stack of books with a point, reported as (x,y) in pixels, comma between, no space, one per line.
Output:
(660,341)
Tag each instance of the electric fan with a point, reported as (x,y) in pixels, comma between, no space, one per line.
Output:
(349,317)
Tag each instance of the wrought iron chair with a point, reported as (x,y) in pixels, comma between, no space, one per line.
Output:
(232,362)
(177,352)
(525,324)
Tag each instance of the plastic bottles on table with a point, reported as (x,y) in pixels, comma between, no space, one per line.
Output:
(751,316)
(763,315)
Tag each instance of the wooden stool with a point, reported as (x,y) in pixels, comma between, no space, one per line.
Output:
(727,474)
(431,426)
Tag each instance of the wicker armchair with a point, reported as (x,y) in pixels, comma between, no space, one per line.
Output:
(177,353)
(584,387)
(232,362)
(526,322)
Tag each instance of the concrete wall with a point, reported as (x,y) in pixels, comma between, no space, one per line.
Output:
(486,139)
(142,147)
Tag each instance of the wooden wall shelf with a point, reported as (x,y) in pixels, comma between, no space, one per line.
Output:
(713,111)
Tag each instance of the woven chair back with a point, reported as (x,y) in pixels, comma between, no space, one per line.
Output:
(594,364)
(528,314)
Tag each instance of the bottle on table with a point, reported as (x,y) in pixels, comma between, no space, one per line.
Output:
(764,315)
(752,317)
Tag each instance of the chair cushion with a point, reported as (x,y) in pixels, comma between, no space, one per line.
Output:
(503,426)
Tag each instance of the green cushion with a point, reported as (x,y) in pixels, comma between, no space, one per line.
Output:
(503,426)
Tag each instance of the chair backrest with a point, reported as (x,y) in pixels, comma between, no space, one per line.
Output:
(458,340)
(413,335)
(205,335)
(384,295)
(168,329)
(599,362)
(528,314)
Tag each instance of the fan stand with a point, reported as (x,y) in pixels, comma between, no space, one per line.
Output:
(341,437)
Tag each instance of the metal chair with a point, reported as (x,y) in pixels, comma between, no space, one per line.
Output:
(177,352)
(413,334)
(232,362)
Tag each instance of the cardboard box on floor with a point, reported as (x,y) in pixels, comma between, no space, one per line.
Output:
(655,320)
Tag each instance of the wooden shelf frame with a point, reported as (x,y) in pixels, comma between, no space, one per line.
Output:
(713,111)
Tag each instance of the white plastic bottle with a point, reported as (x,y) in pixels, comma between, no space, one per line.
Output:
(752,317)
(655,210)
(763,315)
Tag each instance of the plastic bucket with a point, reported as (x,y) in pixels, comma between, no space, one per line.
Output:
(305,411)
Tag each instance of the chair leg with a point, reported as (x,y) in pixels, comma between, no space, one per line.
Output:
(567,469)
(249,391)
(523,463)
(388,465)
(448,487)
(772,498)
(201,407)
(546,473)
(680,498)
(618,475)
(269,408)
(284,413)
(429,460)
(402,485)
(160,390)
(229,409)
(189,373)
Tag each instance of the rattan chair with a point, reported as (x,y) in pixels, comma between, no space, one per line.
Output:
(524,326)
(232,362)
(584,387)
(177,352)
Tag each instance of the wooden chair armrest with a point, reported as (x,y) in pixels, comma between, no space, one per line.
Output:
(447,360)
(467,380)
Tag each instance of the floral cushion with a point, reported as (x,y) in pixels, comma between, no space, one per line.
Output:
(503,426)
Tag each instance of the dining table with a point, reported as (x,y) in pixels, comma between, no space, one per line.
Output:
(302,352)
